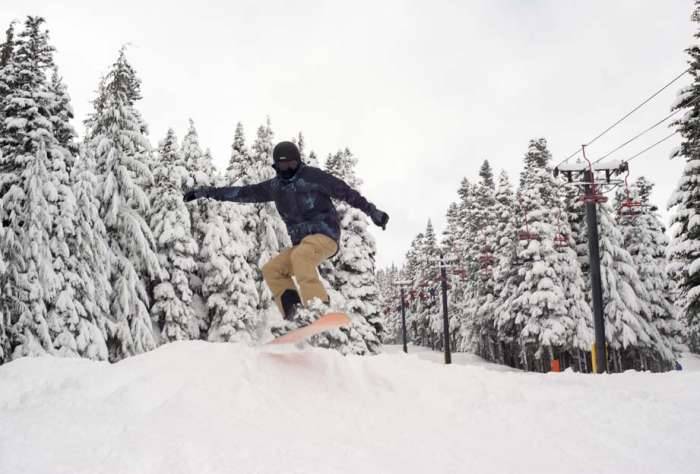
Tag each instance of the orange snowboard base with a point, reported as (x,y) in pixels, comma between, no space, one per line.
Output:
(324,323)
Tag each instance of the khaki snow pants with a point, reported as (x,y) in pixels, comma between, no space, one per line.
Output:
(300,261)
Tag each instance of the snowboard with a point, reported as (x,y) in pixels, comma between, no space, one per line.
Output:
(326,322)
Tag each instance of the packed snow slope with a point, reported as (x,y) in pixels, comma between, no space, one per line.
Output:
(201,408)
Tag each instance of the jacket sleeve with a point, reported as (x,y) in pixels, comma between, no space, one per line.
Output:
(339,189)
(260,192)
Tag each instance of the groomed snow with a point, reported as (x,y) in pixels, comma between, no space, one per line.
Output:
(202,408)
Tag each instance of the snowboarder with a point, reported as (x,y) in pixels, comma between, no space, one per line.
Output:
(302,195)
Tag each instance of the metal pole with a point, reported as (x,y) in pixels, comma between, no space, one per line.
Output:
(403,321)
(445,320)
(596,285)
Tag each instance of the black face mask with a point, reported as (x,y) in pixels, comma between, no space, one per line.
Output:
(286,169)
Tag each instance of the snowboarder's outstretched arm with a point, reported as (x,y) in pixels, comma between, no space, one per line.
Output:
(259,192)
(339,189)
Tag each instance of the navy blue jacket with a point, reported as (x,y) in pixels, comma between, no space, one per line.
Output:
(303,202)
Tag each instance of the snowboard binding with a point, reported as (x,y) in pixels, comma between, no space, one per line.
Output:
(290,304)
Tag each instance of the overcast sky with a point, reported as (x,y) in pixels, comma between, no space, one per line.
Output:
(422,92)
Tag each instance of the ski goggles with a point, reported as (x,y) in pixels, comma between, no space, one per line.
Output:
(286,165)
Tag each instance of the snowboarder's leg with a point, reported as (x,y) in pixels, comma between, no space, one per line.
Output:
(305,258)
(277,273)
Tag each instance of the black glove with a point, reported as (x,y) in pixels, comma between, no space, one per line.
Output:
(380,218)
(196,193)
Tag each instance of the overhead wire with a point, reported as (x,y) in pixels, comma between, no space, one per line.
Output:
(624,117)
(651,146)
(645,131)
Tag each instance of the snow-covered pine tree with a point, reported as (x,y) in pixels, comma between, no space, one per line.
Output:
(684,250)
(170,222)
(539,306)
(90,264)
(8,71)
(409,273)
(467,252)
(115,137)
(27,137)
(61,114)
(480,310)
(200,172)
(263,224)
(228,281)
(79,325)
(33,329)
(426,307)
(450,235)
(631,336)
(352,271)
(6,247)
(390,303)
(240,158)
(11,250)
(645,238)
(301,144)
(312,160)
(575,213)
(576,334)
(505,271)
(464,251)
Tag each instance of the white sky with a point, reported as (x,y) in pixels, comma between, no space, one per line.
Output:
(422,92)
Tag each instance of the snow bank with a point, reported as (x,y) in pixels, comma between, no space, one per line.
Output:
(201,408)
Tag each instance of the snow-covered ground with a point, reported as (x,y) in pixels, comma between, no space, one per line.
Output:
(203,408)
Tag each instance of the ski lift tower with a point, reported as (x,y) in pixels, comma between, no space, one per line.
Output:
(595,179)
(403,284)
(444,262)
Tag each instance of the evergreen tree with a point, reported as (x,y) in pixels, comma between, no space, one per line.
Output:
(36,129)
(578,324)
(199,168)
(645,238)
(424,305)
(312,160)
(263,224)
(116,138)
(38,282)
(25,101)
(390,303)
(228,283)
(88,245)
(479,309)
(353,268)
(684,251)
(450,235)
(7,248)
(61,113)
(629,333)
(199,172)
(486,175)
(8,73)
(505,271)
(537,155)
(176,247)
(240,156)
(539,308)
(301,144)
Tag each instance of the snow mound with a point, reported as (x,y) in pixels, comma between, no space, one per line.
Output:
(196,407)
